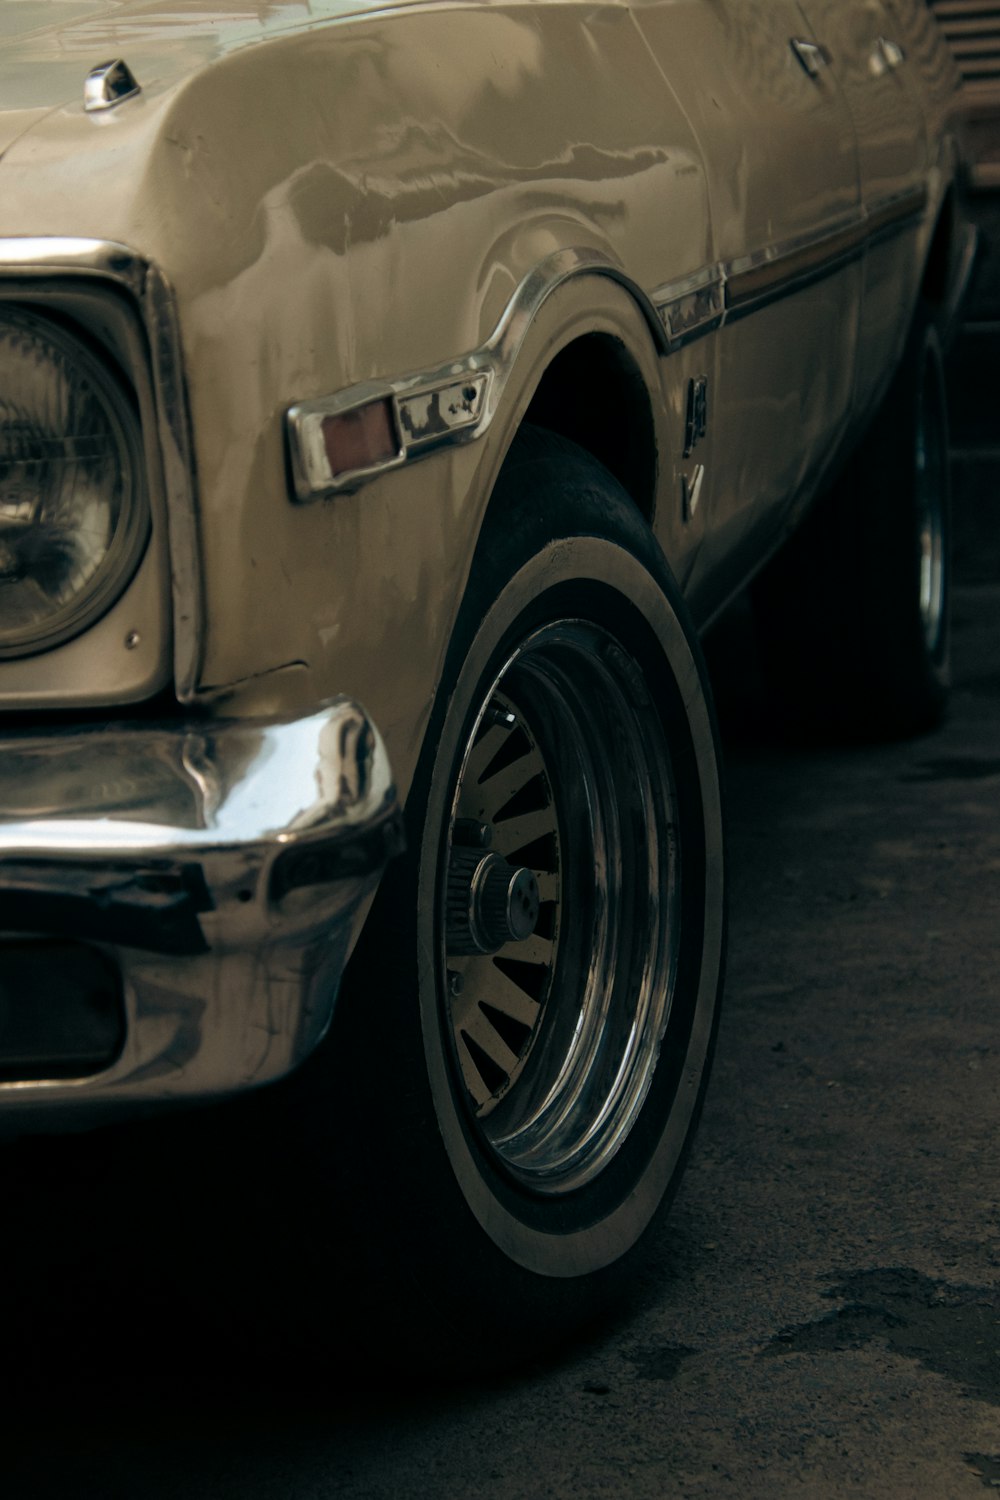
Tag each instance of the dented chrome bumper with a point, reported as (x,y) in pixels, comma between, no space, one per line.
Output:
(217,869)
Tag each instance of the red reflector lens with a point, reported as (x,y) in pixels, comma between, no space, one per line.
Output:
(360,439)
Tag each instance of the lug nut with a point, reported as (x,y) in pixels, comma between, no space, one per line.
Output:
(469,833)
(500,717)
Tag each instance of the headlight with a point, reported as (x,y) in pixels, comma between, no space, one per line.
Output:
(74,517)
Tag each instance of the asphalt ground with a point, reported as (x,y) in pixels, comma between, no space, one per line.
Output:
(820,1314)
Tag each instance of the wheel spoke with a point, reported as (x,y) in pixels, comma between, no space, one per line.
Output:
(533,950)
(480,1031)
(487,985)
(520,832)
(481,1094)
(492,739)
(498,790)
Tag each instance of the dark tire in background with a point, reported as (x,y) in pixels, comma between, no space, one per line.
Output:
(853,613)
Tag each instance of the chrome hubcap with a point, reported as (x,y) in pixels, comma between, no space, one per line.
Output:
(490,902)
(560,909)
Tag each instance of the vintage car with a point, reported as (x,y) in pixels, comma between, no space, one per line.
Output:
(460,361)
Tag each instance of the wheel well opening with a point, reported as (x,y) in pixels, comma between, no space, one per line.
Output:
(593,394)
(936,280)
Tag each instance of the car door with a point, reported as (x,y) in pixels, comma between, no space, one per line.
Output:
(778,143)
(867,50)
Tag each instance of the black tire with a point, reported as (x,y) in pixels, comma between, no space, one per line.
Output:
(490,1221)
(853,614)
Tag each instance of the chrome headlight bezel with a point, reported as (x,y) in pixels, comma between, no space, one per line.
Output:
(131,512)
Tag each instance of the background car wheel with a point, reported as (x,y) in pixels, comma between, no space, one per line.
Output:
(523,1043)
(853,613)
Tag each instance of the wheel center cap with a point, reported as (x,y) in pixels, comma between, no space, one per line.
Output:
(489,902)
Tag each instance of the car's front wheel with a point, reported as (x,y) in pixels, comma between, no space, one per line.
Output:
(524,1043)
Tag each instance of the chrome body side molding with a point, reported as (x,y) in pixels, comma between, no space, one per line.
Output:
(752,281)
(691,308)
(455,403)
(221,865)
(45,259)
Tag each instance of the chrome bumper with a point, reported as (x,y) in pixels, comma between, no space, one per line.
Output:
(221,866)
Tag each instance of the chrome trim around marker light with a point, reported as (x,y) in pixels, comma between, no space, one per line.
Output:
(223,864)
(437,410)
(45,258)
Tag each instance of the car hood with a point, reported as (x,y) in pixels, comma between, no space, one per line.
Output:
(47,47)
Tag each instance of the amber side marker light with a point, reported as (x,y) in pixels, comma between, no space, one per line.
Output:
(361,439)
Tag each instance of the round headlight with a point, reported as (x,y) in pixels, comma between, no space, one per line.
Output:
(74,519)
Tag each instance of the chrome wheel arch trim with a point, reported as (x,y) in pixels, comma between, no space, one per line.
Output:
(52,257)
(480,376)
(455,403)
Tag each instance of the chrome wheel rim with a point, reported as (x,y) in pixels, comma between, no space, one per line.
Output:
(555,1035)
(931,485)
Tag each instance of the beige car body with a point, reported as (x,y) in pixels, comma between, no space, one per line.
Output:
(581,210)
